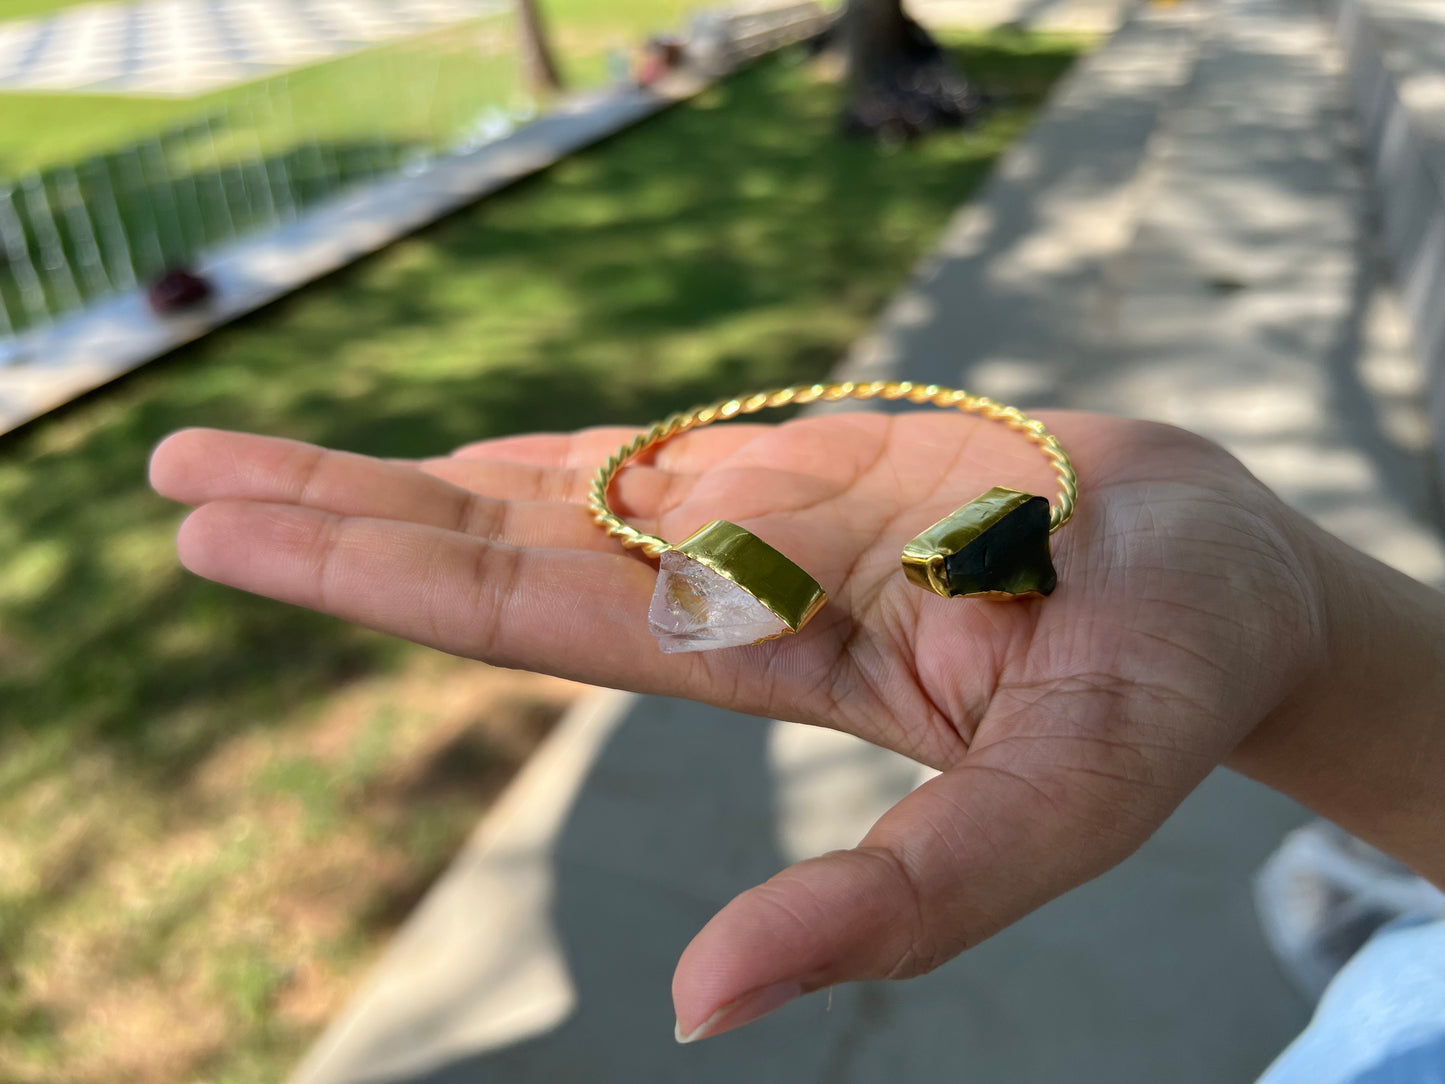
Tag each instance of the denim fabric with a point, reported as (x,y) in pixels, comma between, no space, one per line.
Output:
(1382,1019)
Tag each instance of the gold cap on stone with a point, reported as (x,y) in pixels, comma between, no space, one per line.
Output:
(757,568)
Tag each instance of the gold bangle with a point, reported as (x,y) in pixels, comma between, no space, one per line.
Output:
(723,586)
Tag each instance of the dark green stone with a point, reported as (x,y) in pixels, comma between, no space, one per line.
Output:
(1010,556)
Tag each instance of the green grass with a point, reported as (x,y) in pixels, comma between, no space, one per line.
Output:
(25,9)
(604,13)
(165,744)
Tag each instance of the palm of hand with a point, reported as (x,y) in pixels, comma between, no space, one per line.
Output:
(1066,729)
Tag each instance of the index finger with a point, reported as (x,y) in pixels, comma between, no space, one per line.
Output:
(587,449)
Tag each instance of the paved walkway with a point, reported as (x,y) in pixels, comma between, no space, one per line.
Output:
(187,47)
(1232,283)
(1185,236)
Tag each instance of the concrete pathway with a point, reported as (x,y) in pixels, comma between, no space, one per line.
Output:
(1185,236)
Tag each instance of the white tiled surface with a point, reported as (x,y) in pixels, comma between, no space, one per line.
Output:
(186,47)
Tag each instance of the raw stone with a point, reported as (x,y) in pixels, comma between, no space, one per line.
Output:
(696,609)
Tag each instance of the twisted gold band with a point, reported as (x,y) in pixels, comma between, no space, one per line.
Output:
(1059,512)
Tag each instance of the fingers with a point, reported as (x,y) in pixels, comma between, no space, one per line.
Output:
(572,613)
(965,855)
(588,449)
(561,467)
(580,450)
(640,493)
(488,497)
(200,465)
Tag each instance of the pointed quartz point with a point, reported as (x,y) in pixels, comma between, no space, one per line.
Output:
(697,609)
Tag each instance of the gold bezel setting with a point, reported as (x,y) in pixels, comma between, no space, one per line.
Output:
(995,547)
(760,570)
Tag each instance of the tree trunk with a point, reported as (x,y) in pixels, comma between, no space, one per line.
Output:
(901,82)
(542,74)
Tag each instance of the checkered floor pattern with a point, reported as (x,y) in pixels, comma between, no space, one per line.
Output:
(179,48)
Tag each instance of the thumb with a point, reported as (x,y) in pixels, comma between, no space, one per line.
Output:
(965,855)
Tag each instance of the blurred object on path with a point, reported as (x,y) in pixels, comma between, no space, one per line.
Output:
(177,291)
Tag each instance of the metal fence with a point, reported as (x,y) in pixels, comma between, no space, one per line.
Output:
(255,159)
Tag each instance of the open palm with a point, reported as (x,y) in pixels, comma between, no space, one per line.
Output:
(1066,729)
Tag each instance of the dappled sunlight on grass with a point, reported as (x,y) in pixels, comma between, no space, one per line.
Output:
(216,805)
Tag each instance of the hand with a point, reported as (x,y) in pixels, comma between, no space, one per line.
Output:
(1066,729)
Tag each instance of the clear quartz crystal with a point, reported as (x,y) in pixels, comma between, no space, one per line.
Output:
(697,609)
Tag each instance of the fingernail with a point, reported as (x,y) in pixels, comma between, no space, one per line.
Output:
(741,1010)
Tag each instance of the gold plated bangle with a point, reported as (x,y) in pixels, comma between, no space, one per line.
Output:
(723,586)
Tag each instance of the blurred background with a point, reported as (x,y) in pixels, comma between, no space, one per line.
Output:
(218,811)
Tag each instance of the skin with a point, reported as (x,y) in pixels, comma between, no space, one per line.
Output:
(1198,621)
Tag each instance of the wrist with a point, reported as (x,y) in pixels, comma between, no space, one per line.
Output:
(1360,738)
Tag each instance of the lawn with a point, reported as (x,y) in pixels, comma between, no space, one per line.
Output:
(218,807)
